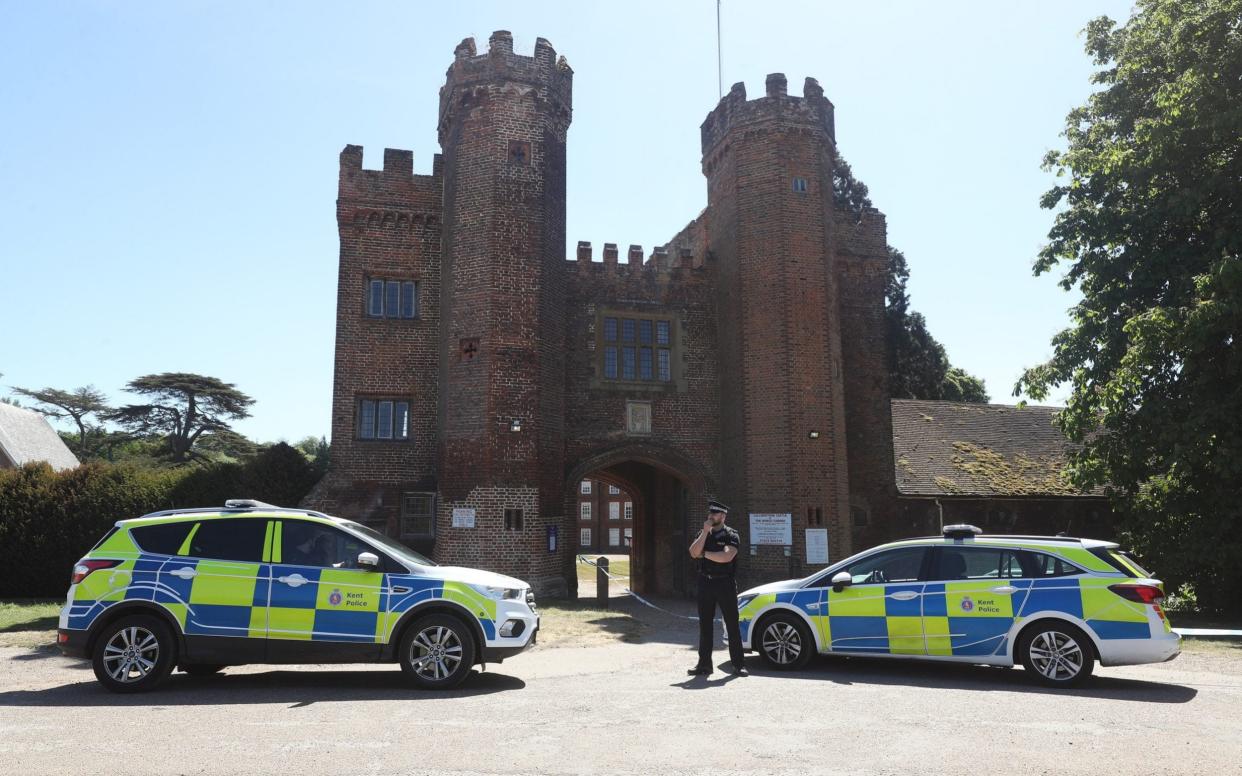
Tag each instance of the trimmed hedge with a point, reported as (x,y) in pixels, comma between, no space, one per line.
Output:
(48,520)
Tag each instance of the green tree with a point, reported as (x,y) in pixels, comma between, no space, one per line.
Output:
(183,407)
(1149,230)
(918,365)
(317,450)
(84,407)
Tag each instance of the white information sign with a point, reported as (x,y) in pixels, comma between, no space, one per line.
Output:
(817,546)
(771,529)
(463,517)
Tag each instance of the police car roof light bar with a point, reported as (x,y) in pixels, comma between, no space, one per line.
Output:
(248,503)
(961,531)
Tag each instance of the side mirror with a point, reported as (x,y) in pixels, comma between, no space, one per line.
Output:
(841,580)
(368,561)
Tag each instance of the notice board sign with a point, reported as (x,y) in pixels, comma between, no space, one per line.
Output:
(817,546)
(463,517)
(771,529)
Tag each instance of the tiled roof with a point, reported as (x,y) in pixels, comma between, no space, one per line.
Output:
(26,436)
(943,448)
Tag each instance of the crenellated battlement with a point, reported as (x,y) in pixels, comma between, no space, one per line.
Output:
(470,72)
(392,195)
(734,111)
(664,259)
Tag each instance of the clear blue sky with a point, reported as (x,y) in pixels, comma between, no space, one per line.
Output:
(168,170)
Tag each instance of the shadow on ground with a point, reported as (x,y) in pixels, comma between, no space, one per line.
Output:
(297,689)
(849,671)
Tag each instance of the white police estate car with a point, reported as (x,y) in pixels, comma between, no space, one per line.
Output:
(1054,604)
(251,583)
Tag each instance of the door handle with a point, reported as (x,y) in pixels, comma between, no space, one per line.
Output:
(185,572)
(1006,589)
(903,595)
(293,580)
(399,589)
(812,606)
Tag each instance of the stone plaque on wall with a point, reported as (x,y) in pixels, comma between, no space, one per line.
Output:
(638,417)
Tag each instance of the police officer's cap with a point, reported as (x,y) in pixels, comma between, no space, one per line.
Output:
(716,506)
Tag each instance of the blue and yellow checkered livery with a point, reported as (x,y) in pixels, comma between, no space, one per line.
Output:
(975,620)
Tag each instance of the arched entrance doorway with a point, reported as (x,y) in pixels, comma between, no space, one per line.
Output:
(665,489)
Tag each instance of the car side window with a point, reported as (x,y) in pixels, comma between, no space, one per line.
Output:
(957,562)
(1039,564)
(162,538)
(899,565)
(305,543)
(239,539)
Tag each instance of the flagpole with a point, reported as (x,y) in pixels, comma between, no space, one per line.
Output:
(719,56)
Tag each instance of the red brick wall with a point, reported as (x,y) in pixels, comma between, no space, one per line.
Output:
(780,324)
(389,224)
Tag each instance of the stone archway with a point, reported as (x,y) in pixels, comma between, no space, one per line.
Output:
(666,486)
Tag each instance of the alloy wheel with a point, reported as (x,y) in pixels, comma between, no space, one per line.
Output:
(435,653)
(782,643)
(1056,655)
(131,654)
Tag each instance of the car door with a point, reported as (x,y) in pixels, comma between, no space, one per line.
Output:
(968,604)
(322,604)
(880,611)
(217,585)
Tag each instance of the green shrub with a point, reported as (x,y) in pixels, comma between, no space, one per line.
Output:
(48,519)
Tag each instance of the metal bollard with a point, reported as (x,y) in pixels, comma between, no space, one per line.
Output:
(601,581)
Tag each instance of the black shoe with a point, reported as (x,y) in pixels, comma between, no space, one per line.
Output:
(700,671)
(738,669)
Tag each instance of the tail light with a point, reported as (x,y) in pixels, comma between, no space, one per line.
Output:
(86,567)
(1142,594)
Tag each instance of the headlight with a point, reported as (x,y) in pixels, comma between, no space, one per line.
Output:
(742,600)
(497,592)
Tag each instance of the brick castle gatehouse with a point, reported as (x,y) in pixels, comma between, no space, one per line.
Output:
(481,375)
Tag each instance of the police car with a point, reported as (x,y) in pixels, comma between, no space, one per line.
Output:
(202,589)
(1053,604)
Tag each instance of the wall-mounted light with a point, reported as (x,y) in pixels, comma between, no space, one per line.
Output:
(812,434)
(515,424)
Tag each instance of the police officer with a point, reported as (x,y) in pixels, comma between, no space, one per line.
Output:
(716,548)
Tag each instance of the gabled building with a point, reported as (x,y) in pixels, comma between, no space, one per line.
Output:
(27,437)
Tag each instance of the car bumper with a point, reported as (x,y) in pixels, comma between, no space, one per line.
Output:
(517,628)
(72,643)
(1126,652)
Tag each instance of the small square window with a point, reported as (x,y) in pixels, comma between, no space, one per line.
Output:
(614,510)
(613,490)
(629,511)
(513,519)
(585,510)
(417,513)
(585,487)
(799,185)
(584,537)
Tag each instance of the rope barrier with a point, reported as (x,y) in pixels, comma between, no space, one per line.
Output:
(587,561)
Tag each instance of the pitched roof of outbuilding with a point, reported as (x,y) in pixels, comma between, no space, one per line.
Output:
(944,448)
(26,436)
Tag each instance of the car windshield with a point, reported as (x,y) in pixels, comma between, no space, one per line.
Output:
(388,543)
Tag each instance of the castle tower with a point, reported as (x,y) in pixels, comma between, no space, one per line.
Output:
(503,124)
(769,166)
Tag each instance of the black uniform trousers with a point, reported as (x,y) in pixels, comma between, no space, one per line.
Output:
(718,592)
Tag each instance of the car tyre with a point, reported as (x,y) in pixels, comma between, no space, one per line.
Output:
(1056,654)
(437,652)
(134,654)
(784,642)
(202,669)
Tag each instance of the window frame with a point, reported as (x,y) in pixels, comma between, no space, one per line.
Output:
(399,407)
(406,289)
(637,350)
(402,515)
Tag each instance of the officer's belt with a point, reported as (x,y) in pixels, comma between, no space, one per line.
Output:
(715,576)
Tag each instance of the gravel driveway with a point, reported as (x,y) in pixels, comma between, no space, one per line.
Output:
(627,708)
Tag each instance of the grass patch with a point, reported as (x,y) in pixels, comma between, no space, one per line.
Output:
(566,623)
(28,623)
(617,566)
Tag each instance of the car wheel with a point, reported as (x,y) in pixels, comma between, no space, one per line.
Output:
(437,652)
(133,654)
(785,642)
(202,669)
(1057,654)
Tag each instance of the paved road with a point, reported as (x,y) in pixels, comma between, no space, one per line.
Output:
(627,708)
